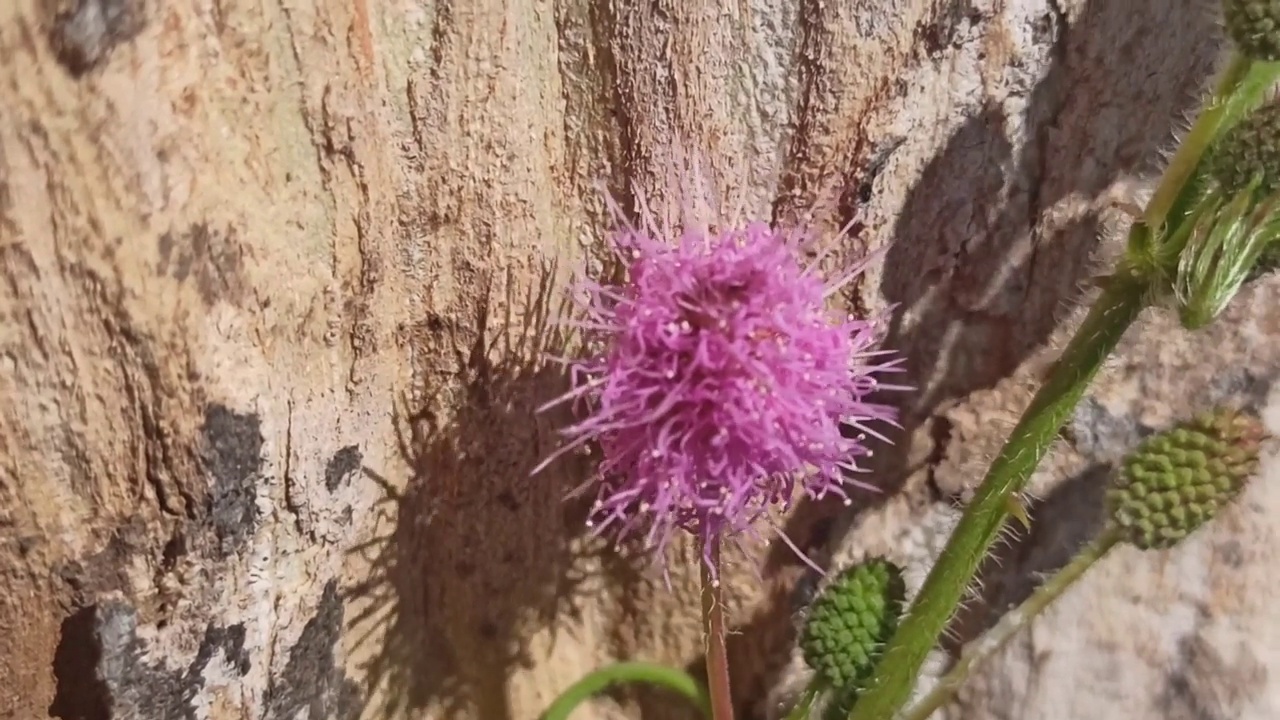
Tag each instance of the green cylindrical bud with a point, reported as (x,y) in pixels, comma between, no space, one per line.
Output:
(1249,152)
(1178,480)
(1254,26)
(1232,233)
(849,622)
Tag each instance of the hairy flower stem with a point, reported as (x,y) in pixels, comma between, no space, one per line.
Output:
(1243,84)
(1011,623)
(1111,315)
(673,679)
(714,629)
(1187,157)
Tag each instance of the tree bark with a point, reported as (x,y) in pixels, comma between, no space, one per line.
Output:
(277,279)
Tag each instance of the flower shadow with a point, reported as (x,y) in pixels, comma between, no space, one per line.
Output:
(482,562)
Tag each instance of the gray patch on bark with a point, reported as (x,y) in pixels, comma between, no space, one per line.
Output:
(208,257)
(343,463)
(312,679)
(1204,685)
(93,576)
(1102,435)
(232,454)
(1241,387)
(83,36)
(1098,433)
(102,670)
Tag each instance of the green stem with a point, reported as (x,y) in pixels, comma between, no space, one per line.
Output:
(597,681)
(1187,157)
(1114,311)
(714,629)
(805,703)
(1011,623)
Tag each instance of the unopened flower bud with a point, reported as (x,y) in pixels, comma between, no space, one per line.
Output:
(1226,245)
(1254,26)
(1178,480)
(1232,234)
(850,621)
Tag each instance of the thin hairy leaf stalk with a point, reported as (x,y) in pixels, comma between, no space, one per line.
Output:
(1187,157)
(1243,86)
(1010,624)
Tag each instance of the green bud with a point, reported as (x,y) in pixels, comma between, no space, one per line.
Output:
(1177,480)
(1228,241)
(1230,234)
(849,622)
(1254,26)
(1249,152)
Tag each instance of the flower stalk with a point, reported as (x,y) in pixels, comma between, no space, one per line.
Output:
(714,630)
(1187,157)
(1240,89)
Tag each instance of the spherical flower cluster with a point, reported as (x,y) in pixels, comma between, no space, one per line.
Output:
(720,382)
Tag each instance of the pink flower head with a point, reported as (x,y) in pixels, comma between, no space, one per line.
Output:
(720,381)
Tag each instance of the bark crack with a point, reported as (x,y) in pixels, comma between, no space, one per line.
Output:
(293,499)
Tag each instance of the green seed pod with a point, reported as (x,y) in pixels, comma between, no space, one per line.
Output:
(850,621)
(1177,480)
(1254,26)
(1249,152)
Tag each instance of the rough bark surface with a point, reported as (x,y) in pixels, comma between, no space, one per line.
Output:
(275,280)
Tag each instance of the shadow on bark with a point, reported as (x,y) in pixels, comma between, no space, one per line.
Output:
(979,286)
(987,302)
(481,560)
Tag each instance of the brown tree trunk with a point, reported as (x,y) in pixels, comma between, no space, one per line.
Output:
(276,279)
